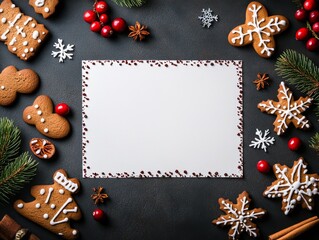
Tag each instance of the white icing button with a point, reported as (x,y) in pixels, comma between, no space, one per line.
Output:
(61,191)
(33,25)
(14,49)
(42,120)
(3,20)
(42,191)
(39,112)
(1,10)
(23,54)
(38,205)
(60,234)
(45,216)
(52,206)
(26,50)
(45,156)
(13,6)
(38,151)
(46,130)
(25,43)
(2,87)
(36,106)
(47,10)
(74,232)
(31,49)
(20,205)
(35,34)
(39,41)
(29,117)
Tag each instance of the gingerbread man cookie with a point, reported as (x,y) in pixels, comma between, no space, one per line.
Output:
(238,216)
(48,123)
(287,110)
(54,205)
(22,34)
(44,7)
(258,30)
(294,186)
(13,81)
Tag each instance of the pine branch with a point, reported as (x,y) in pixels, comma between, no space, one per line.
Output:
(130,3)
(9,141)
(15,175)
(314,142)
(300,71)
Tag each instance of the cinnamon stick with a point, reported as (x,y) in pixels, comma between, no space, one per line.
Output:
(295,230)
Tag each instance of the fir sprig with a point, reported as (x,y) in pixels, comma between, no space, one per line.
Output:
(15,170)
(314,142)
(300,71)
(130,3)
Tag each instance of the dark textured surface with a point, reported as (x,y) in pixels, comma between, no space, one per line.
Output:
(161,208)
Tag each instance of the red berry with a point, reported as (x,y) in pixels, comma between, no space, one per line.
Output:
(309,5)
(312,44)
(302,34)
(263,166)
(96,26)
(101,7)
(62,109)
(104,18)
(89,16)
(315,27)
(294,143)
(119,24)
(301,14)
(98,214)
(314,16)
(106,31)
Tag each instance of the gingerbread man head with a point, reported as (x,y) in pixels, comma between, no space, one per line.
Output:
(13,81)
(48,123)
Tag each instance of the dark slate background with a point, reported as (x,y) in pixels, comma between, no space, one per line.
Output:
(161,208)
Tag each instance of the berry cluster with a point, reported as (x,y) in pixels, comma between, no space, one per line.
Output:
(99,19)
(309,14)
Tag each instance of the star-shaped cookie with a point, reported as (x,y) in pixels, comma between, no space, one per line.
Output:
(258,30)
(287,110)
(293,185)
(238,216)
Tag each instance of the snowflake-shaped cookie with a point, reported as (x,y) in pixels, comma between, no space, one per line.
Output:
(287,110)
(258,29)
(207,18)
(63,51)
(293,185)
(238,216)
(263,141)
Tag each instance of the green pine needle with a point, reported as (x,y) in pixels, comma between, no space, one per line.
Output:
(130,3)
(314,142)
(15,175)
(300,71)
(9,141)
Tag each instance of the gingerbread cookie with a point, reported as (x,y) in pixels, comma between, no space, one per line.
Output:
(258,30)
(54,205)
(13,81)
(44,7)
(48,123)
(294,186)
(238,216)
(22,34)
(287,110)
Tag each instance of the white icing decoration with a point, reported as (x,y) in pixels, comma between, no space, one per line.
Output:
(20,31)
(45,156)
(27,21)
(60,234)
(39,3)
(262,30)
(46,130)
(23,55)
(14,49)
(29,117)
(61,191)
(11,24)
(13,41)
(13,6)
(38,151)
(20,205)
(74,232)
(33,25)
(65,211)
(63,181)
(1,10)
(46,9)
(38,205)
(288,112)
(25,43)
(45,216)
(52,206)
(26,50)
(42,191)
(64,52)
(39,112)
(2,87)
(36,106)
(263,141)
(3,20)
(49,195)
(291,186)
(31,49)
(42,120)
(35,34)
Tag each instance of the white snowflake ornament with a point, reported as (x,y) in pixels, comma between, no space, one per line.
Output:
(294,186)
(238,216)
(263,140)
(207,18)
(63,51)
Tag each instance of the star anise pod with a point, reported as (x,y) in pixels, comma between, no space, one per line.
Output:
(99,196)
(261,81)
(138,31)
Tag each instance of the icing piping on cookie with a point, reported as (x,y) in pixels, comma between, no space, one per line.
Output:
(67,184)
(49,195)
(39,3)
(65,211)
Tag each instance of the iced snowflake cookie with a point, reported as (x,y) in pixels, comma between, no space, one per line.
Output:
(287,110)
(44,7)
(258,30)
(294,186)
(238,216)
(13,82)
(53,205)
(22,34)
(46,122)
